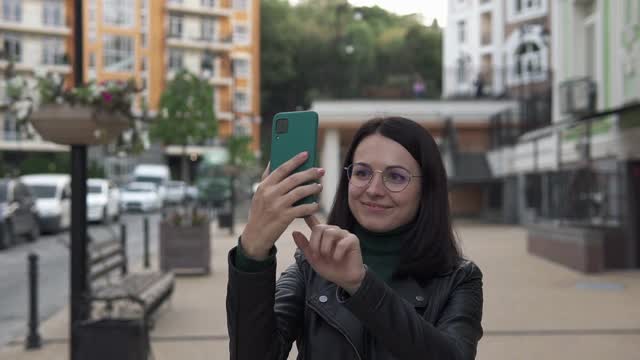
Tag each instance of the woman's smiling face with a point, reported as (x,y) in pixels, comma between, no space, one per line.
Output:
(374,206)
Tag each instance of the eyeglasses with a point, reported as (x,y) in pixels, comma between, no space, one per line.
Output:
(394,178)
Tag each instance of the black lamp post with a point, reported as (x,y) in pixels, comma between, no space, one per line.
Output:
(78,263)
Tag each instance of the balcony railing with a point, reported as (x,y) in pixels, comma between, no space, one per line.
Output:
(41,29)
(216,44)
(199,9)
(495,82)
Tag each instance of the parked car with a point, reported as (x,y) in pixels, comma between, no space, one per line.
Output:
(176,192)
(53,200)
(18,213)
(103,200)
(154,173)
(192,193)
(140,196)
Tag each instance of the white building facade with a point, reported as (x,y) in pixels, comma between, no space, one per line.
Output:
(578,179)
(35,35)
(493,47)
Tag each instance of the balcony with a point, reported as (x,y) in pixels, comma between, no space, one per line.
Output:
(217,80)
(199,43)
(64,69)
(34,29)
(199,10)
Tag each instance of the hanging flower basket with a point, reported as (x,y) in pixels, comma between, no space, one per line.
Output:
(77,125)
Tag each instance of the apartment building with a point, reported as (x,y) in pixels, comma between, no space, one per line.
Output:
(149,41)
(35,34)
(497,48)
(577,180)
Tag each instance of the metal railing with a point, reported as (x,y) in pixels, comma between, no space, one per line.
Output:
(496,82)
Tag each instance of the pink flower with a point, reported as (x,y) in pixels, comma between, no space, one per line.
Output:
(106,96)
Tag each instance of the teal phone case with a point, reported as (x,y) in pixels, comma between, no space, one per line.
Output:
(301,135)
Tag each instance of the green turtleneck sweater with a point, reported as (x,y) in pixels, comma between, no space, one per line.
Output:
(380,252)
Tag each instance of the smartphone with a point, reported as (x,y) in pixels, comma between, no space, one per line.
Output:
(292,133)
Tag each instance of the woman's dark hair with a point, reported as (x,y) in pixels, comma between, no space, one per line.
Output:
(430,247)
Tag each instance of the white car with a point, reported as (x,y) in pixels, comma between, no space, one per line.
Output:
(140,196)
(175,192)
(103,200)
(53,200)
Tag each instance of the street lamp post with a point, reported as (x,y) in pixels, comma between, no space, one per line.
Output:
(78,263)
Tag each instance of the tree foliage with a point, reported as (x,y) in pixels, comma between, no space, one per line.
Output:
(330,49)
(185,115)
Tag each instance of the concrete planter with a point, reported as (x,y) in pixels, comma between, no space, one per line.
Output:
(185,248)
(77,125)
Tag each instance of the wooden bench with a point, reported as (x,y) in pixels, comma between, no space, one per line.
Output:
(111,283)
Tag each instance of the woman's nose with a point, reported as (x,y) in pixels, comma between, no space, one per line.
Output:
(376,185)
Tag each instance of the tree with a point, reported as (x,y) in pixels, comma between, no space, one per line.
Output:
(185,115)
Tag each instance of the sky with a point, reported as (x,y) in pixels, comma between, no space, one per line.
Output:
(429,9)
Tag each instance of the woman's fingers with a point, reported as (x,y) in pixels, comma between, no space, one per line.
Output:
(316,238)
(344,246)
(300,178)
(301,192)
(303,210)
(302,243)
(286,168)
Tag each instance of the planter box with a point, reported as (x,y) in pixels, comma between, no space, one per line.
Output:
(185,248)
(107,339)
(77,125)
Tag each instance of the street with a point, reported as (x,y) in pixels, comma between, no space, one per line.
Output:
(54,271)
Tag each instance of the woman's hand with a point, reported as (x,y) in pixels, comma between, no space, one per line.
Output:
(333,253)
(272,207)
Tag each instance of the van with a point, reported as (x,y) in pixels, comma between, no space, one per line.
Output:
(157,174)
(53,200)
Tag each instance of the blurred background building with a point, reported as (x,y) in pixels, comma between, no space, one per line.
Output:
(145,40)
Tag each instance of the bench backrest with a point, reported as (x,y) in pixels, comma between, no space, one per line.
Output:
(105,257)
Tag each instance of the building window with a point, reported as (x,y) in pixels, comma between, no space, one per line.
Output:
(208,29)
(53,52)
(175,59)
(144,20)
(241,68)
(462,31)
(462,69)
(519,9)
(207,64)
(242,5)
(12,10)
(119,12)
(241,101)
(118,53)
(12,45)
(241,34)
(175,26)
(92,21)
(528,60)
(53,13)
(208,3)
(92,60)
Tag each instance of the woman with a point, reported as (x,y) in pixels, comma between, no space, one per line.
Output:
(383,279)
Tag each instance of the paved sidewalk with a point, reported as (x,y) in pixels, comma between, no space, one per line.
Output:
(533,309)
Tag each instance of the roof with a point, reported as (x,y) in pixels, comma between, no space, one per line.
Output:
(359,111)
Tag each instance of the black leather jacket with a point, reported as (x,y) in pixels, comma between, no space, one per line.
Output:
(406,321)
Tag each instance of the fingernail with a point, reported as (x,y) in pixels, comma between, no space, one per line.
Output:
(303,154)
(321,171)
